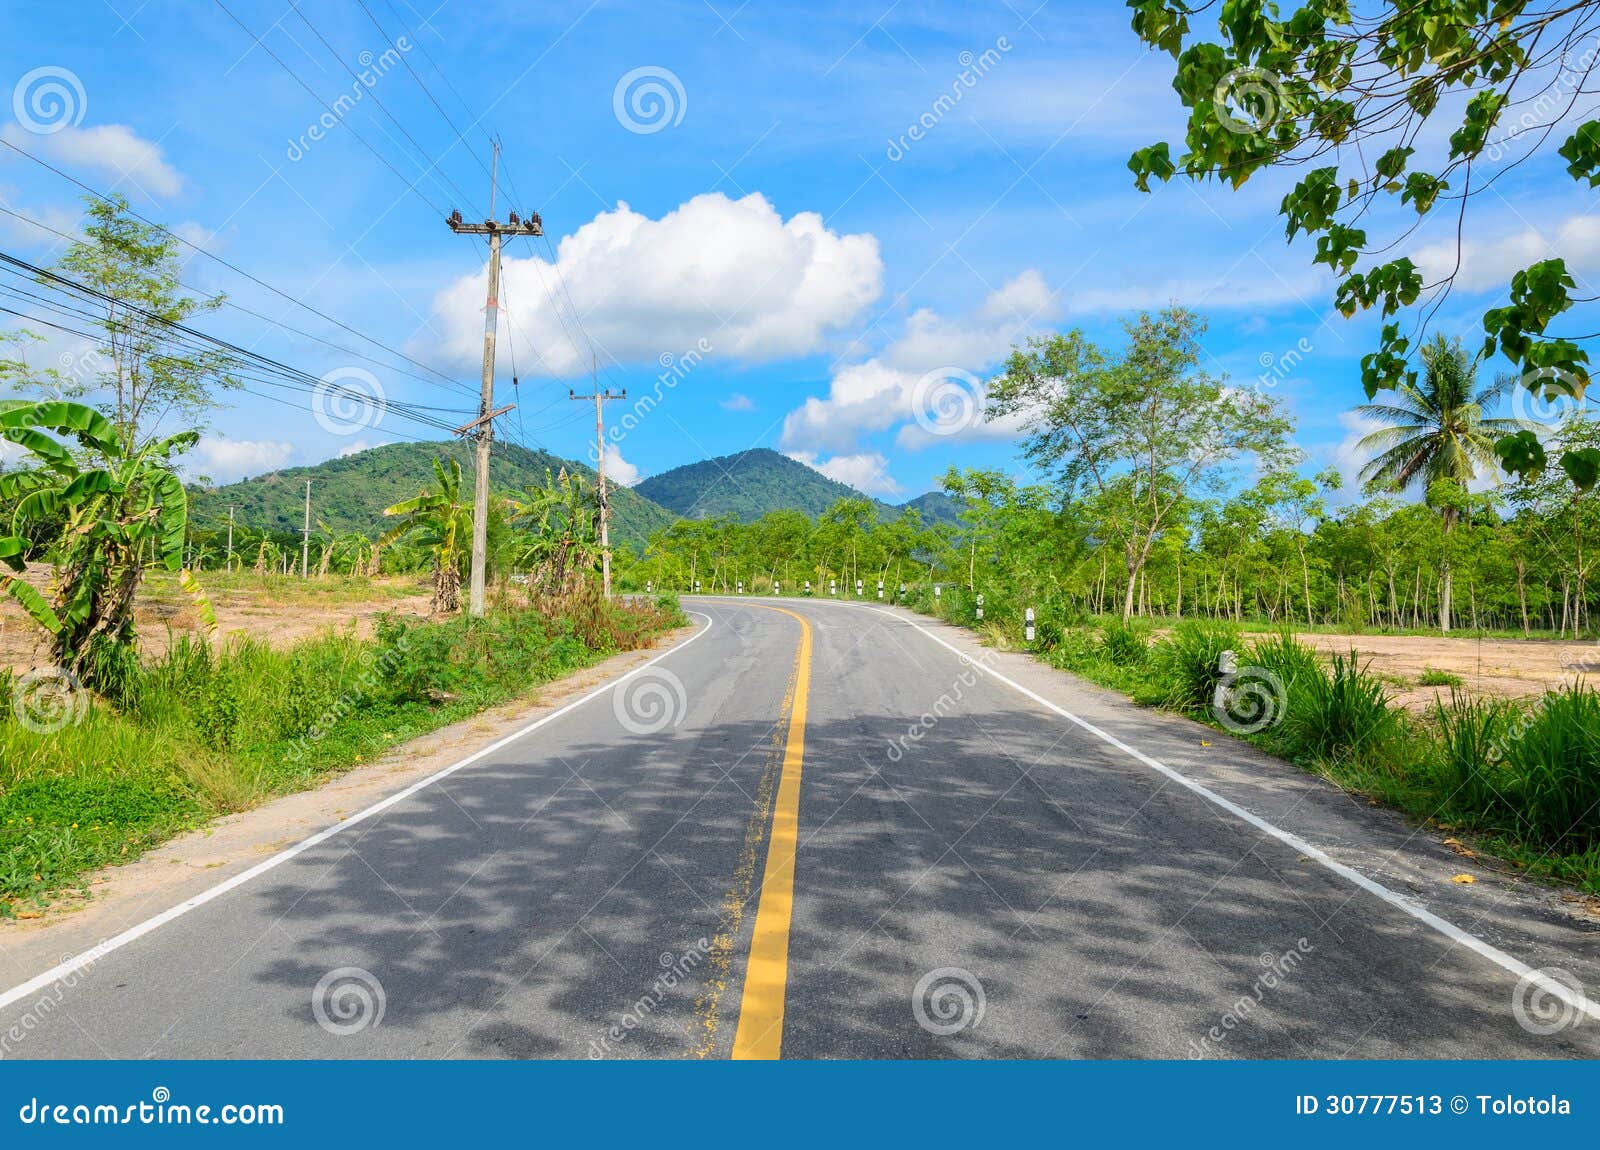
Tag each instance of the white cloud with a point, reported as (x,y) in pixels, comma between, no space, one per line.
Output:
(1488,265)
(226,460)
(360,445)
(866,471)
(734,273)
(928,382)
(113,150)
(738,402)
(618,469)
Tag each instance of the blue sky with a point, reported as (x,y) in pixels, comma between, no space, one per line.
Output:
(737,185)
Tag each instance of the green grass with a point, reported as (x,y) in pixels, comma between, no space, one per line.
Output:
(1523,779)
(1435,678)
(204,732)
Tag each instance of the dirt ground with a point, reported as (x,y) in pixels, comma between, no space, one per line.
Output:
(282,612)
(1513,668)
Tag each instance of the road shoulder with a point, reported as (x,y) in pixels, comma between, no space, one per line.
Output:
(187,866)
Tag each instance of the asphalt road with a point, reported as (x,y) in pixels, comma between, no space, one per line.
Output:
(816,831)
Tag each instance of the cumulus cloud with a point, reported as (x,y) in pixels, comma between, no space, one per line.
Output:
(734,273)
(113,150)
(618,469)
(928,383)
(738,402)
(865,471)
(1489,264)
(356,447)
(226,460)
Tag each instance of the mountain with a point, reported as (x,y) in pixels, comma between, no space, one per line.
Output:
(752,483)
(350,493)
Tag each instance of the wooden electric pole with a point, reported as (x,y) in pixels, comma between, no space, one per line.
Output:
(230,540)
(482,428)
(600,399)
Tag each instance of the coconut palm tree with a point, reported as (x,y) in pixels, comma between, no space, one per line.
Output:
(1435,430)
(442,522)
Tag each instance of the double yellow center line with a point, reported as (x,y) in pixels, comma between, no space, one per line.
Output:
(760,1033)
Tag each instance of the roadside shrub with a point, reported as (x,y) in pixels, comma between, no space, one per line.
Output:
(1341,715)
(1473,737)
(1124,644)
(1048,637)
(1433,678)
(1286,657)
(1556,767)
(1189,661)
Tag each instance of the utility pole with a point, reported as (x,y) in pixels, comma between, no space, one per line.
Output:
(305,538)
(482,428)
(601,398)
(230,540)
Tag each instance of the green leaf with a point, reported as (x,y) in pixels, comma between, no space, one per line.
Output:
(1582,467)
(1521,453)
(32,602)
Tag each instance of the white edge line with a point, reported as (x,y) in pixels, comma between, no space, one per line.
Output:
(133,933)
(1575,999)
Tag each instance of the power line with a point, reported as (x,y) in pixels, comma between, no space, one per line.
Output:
(278,323)
(228,264)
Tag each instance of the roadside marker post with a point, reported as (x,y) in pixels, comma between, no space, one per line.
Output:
(980,608)
(880,590)
(861,588)
(808,586)
(1032,629)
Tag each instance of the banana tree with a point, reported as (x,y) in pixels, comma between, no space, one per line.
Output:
(121,512)
(558,532)
(441,522)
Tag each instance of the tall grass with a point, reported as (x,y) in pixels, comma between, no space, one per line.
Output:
(204,731)
(1190,661)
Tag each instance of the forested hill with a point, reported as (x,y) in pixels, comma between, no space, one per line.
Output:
(350,493)
(753,483)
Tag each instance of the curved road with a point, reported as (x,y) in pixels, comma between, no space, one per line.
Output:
(816,831)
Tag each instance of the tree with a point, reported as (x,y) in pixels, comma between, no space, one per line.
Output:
(1376,90)
(1437,430)
(558,531)
(122,511)
(442,522)
(147,371)
(1140,430)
